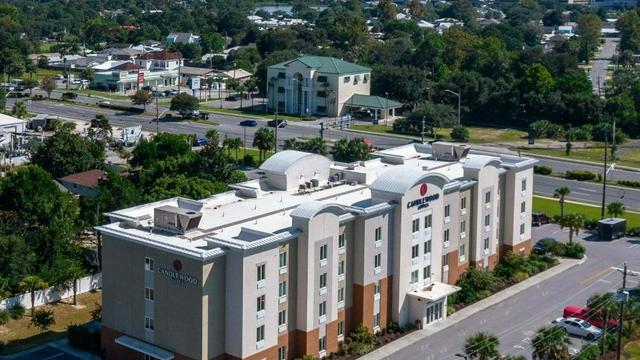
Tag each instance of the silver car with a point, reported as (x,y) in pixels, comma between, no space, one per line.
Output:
(578,327)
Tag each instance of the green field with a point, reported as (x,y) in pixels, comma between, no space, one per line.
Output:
(249,151)
(627,156)
(477,135)
(551,207)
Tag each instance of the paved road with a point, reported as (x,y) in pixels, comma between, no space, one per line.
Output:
(515,320)
(587,192)
(599,66)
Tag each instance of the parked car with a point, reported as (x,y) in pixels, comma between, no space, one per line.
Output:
(588,315)
(104,102)
(578,327)
(69,95)
(158,94)
(539,219)
(201,141)
(249,123)
(233,97)
(281,123)
(543,246)
(59,77)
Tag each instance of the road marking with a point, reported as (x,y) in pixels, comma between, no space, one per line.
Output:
(605,281)
(600,273)
(634,245)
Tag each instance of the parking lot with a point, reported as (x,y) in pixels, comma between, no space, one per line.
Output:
(44,353)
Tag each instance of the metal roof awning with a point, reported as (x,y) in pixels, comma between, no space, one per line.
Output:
(145,348)
(434,291)
(371,102)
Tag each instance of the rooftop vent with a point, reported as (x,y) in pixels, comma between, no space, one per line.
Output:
(449,151)
(175,219)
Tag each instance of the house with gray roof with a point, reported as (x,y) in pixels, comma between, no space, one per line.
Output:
(324,86)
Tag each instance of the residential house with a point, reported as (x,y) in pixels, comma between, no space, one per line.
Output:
(84,183)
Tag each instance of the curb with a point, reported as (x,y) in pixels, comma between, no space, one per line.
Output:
(583,162)
(410,339)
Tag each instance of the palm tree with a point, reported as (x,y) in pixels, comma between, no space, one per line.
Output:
(100,128)
(482,346)
(615,209)
(74,272)
(236,144)
(551,343)
(574,222)
(264,140)
(291,144)
(241,88)
(327,91)
(316,146)
(561,193)
(33,283)
(602,307)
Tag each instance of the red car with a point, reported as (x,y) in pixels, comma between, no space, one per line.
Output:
(589,316)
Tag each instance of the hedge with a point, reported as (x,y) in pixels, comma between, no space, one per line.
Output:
(132,109)
(629,183)
(581,175)
(542,170)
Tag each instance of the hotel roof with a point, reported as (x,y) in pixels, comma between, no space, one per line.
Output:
(325,64)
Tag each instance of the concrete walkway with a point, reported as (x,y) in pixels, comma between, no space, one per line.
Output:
(410,339)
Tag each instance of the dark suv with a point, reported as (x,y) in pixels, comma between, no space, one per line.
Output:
(544,246)
(539,219)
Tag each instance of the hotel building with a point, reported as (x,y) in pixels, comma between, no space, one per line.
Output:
(290,263)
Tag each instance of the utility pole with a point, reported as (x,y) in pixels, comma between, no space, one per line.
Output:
(613,142)
(157,114)
(623,293)
(321,130)
(604,177)
(422,132)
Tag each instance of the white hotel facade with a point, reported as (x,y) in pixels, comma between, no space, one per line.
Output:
(290,263)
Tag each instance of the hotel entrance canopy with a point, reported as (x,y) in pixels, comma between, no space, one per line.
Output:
(144,348)
(376,104)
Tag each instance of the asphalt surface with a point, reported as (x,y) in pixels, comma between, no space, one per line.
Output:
(516,319)
(599,66)
(44,353)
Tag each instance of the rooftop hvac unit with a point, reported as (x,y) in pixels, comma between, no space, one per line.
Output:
(175,219)
(315,182)
(448,151)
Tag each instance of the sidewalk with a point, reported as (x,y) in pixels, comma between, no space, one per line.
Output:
(410,339)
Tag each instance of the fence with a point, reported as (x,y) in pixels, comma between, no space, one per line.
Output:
(53,294)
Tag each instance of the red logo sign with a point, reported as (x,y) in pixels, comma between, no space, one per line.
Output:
(140,77)
(177,265)
(423,189)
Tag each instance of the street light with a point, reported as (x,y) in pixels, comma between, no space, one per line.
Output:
(386,95)
(458,95)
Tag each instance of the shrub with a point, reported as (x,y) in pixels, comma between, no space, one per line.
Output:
(84,339)
(574,250)
(249,160)
(43,319)
(460,133)
(362,335)
(634,231)
(629,183)
(589,352)
(17,311)
(4,317)
(581,175)
(474,284)
(590,224)
(542,170)
(538,129)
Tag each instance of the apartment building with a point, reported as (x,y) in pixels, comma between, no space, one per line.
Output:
(290,263)
(324,86)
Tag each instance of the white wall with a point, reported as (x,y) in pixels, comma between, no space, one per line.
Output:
(52,294)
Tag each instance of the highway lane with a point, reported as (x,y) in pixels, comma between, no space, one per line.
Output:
(589,192)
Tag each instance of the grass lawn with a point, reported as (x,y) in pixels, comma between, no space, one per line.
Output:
(627,156)
(247,113)
(477,135)
(105,94)
(249,151)
(18,335)
(551,207)
(632,350)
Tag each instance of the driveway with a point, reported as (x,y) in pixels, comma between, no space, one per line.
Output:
(516,319)
(599,66)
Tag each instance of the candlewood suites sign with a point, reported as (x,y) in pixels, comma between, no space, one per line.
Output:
(178,276)
(424,200)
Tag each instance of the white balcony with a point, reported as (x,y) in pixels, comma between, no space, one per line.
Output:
(322,319)
(463,235)
(446,244)
(378,243)
(447,219)
(322,291)
(260,344)
(282,299)
(260,314)
(282,328)
(377,270)
(341,277)
(341,250)
(487,228)
(283,270)
(261,284)
(323,262)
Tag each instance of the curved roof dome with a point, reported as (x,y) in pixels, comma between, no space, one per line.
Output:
(283,160)
(400,179)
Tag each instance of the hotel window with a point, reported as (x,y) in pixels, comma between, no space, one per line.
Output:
(260,272)
(340,267)
(487,197)
(148,323)
(149,294)
(446,235)
(427,221)
(260,333)
(445,260)
(378,233)
(323,280)
(523,206)
(282,317)
(377,261)
(322,79)
(463,203)
(427,246)
(282,289)
(365,78)
(415,251)
(376,320)
(524,184)
(487,220)
(341,240)
(447,210)
(486,244)
(340,294)
(356,79)
(340,328)
(347,79)
(461,250)
(323,252)
(148,264)
(376,287)
(415,225)
(322,308)
(283,259)
(463,226)
(260,303)
(322,344)
(426,272)
(414,276)
(521,229)
(281,75)
(282,353)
